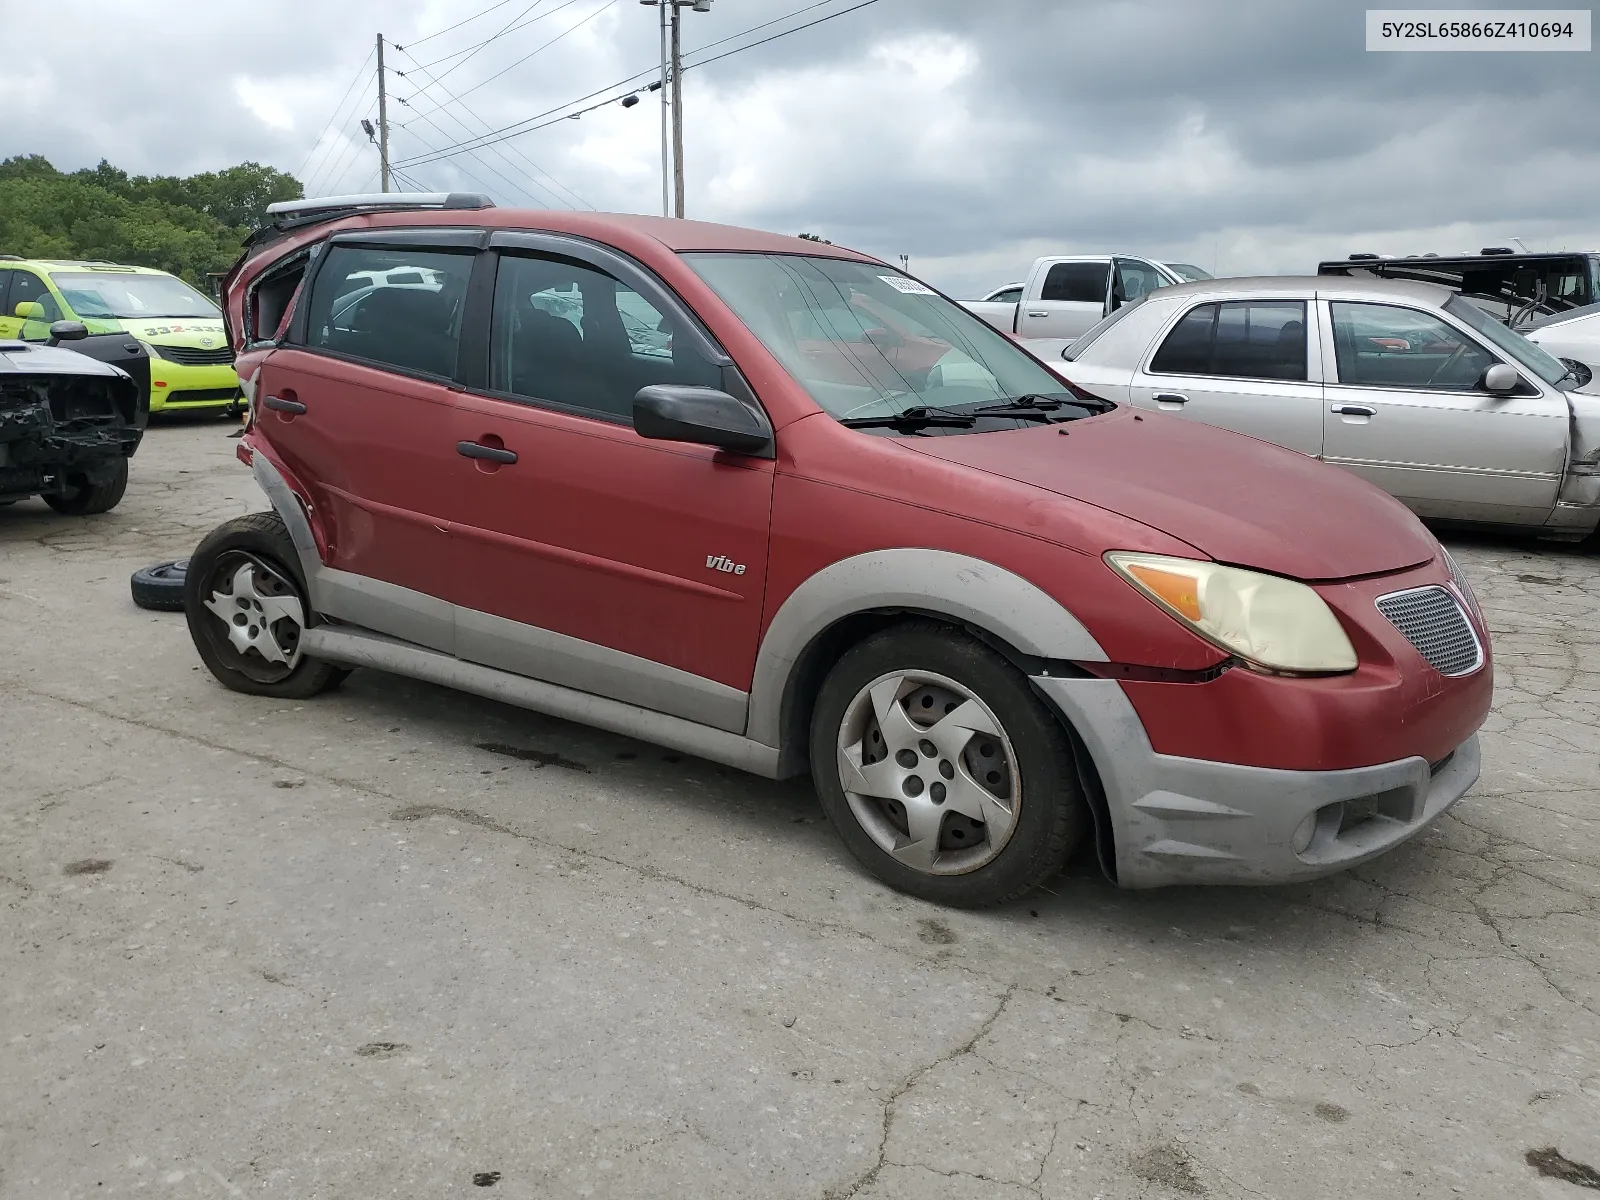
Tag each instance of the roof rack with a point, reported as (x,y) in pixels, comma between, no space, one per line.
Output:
(379,202)
(287,215)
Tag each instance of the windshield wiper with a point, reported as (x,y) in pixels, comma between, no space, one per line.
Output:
(1039,407)
(909,419)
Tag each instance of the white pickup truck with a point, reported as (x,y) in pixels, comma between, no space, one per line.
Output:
(1064,296)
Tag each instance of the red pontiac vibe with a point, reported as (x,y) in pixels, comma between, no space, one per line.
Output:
(783,506)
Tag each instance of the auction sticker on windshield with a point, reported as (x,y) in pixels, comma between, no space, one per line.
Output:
(909,286)
(1478,29)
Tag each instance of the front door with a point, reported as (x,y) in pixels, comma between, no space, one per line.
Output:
(1246,365)
(1073,298)
(10,325)
(1407,412)
(44,311)
(588,556)
(360,407)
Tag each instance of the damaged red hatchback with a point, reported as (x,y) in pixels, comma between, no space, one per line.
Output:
(782,506)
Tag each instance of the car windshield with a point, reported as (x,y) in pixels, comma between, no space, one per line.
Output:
(1509,342)
(866,341)
(1189,272)
(1095,331)
(93,294)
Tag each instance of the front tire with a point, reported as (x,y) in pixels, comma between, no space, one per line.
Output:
(85,499)
(943,773)
(247,605)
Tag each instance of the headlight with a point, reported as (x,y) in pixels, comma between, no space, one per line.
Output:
(1271,623)
(152,351)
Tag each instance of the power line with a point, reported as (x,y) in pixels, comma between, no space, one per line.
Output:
(517,23)
(485,124)
(569,30)
(337,109)
(521,187)
(518,128)
(350,156)
(464,21)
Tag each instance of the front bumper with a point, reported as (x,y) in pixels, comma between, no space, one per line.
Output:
(176,387)
(1182,820)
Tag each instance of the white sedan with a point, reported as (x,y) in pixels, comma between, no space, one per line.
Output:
(1405,384)
(1574,335)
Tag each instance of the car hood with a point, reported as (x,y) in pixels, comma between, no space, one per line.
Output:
(35,358)
(1242,501)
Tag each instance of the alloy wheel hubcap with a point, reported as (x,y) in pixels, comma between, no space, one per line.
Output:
(929,772)
(262,613)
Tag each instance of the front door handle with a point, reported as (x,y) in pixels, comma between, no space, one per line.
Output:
(1036,313)
(492,453)
(1170,398)
(1353,410)
(284,404)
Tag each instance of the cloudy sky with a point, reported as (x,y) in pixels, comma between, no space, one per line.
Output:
(971,135)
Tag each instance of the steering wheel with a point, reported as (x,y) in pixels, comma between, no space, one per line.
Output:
(1447,363)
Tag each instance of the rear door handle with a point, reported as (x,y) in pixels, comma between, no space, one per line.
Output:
(492,453)
(283,404)
(1037,313)
(1353,410)
(1170,398)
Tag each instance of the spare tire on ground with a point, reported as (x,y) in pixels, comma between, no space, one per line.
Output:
(160,587)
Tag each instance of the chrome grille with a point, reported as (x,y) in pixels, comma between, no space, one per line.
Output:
(193,356)
(1433,621)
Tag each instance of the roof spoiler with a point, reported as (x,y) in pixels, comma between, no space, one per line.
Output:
(287,215)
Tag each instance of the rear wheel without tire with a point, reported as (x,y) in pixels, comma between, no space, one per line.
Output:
(84,499)
(246,604)
(941,770)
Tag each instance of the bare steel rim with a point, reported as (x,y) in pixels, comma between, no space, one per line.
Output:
(929,772)
(259,616)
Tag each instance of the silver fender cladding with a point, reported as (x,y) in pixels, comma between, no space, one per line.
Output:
(964,589)
(360,649)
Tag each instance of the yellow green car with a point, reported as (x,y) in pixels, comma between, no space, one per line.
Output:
(191,366)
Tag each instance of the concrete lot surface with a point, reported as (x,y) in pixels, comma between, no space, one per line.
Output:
(402,942)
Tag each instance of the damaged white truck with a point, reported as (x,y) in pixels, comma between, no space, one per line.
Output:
(68,426)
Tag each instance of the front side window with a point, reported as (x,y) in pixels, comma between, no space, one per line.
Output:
(573,337)
(1383,345)
(356,310)
(1135,280)
(1241,339)
(28,288)
(867,341)
(1082,282)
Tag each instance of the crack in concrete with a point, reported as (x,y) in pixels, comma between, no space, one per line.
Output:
(905,1085)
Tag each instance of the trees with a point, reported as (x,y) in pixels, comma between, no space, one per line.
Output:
(190,226)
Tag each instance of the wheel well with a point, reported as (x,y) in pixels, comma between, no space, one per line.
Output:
(827,647)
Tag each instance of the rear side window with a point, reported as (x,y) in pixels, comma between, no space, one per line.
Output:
(573,337)
(1084,282)
(268,305)
(1242,339)
(357,309)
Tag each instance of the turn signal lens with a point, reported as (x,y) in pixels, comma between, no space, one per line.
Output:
(1269,622)
(1178,592)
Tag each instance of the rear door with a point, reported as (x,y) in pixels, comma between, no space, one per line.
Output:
(1406,411)
(360,403)
(1246,365)
(587,555)
(1071,297)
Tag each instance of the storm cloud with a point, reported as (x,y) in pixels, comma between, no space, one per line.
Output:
(971,135)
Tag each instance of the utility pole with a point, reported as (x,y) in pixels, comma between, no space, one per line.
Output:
(677,113)
(666,101)
(672,98)
(383,122)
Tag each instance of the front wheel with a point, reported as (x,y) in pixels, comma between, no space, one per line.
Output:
(943,773)
(246,606)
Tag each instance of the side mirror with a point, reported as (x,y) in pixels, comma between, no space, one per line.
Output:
(704,416)
(29,310)
(68,331)
(1501,378)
